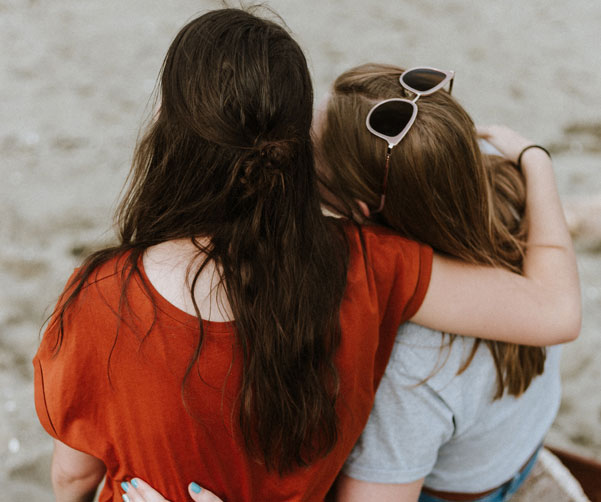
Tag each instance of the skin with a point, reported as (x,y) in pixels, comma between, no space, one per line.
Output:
(542,307)
(140,491)
(75,475)
(166,266)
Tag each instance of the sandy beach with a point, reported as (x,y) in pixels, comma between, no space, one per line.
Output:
(75,84)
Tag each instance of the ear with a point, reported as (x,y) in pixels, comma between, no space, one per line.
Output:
(364,209)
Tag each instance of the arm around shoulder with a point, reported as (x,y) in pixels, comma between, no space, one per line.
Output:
(495,304)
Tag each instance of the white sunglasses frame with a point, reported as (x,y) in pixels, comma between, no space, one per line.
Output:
(395,140)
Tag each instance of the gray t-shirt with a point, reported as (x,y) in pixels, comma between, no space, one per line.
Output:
(448,429)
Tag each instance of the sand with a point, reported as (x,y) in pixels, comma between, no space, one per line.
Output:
(74,87)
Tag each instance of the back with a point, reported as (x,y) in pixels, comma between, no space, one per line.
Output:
(448,429)
(119,398)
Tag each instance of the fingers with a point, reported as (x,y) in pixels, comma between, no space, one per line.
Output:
(139,491)
(483,131)
(504,139)
(199,494)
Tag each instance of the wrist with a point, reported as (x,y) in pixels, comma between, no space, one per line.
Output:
(529,151)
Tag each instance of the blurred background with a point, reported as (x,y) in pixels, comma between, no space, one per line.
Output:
(75,83)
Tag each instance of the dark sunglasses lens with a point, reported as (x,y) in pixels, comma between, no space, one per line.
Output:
(423,79)
(391,117)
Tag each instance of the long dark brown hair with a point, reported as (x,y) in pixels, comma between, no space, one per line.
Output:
(229,157)
(441,190)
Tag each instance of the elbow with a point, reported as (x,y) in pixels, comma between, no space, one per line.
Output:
(554,321)
(568,322)
(573,330)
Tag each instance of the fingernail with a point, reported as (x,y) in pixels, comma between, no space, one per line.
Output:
(195,488)
(134,482)
(125,498)
(125,486)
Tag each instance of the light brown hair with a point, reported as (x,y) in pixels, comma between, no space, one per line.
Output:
(441,190)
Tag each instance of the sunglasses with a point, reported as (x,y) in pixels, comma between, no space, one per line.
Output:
(391,119)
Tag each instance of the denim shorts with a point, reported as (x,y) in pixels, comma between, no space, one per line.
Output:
(501,494)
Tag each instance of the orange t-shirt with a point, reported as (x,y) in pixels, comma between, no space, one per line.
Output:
(135,421)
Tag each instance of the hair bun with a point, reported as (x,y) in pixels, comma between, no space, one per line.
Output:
(274,154)
(265,166)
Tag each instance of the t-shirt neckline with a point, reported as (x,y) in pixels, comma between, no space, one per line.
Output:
(176,313)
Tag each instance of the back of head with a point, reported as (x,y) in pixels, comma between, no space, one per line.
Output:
(232,130)
(441,190)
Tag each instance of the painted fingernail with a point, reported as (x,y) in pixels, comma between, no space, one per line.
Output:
(134,482)
(195,488)
(125,498)
(125,486)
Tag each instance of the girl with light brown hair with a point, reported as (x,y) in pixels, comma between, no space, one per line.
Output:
(452,419)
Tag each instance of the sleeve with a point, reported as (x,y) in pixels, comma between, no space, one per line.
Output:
(414,279)
(406,428)
(47,352)
(401,270)
(66,384)
(401,274)
(41,407)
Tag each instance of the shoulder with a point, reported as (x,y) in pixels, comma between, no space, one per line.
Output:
(387,272)
(104,282)
(388,255)
(71,362)
(111,271)
(88,300)
(420,353)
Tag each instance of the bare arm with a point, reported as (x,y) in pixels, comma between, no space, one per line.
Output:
(75,475)
(542,307)
(353,490)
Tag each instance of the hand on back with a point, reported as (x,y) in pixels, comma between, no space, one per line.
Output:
(140,491)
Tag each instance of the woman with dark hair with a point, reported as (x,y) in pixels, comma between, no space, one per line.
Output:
(235,335)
